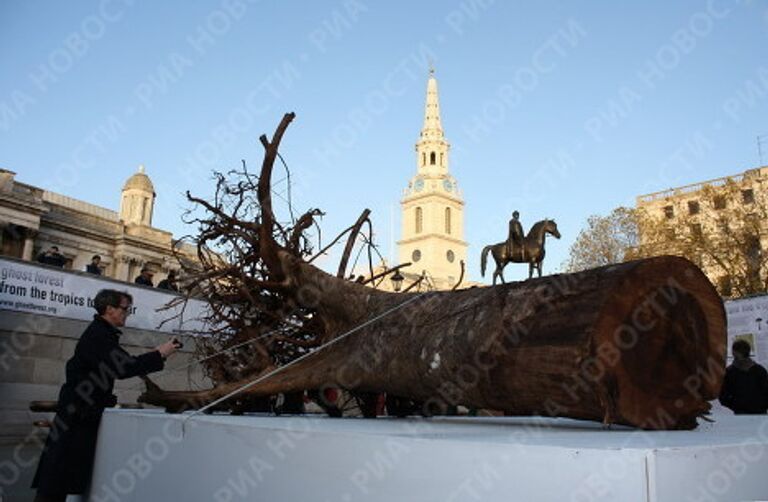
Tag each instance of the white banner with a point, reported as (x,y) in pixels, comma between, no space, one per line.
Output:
(748,320)
(27,287)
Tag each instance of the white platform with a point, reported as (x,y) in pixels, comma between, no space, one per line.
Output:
(141,456)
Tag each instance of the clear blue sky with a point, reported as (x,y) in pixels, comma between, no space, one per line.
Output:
(557,109)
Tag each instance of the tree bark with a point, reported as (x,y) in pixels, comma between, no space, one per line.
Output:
(639,343)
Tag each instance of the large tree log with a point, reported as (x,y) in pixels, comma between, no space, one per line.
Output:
(640,343)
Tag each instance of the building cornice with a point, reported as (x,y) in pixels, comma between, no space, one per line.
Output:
(423,196)
(79,231)
(433,235)
(749,175)
(30,204)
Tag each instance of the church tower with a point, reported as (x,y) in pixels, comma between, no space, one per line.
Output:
(432,206)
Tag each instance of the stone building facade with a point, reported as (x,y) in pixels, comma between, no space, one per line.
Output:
(686,209)
(33,219)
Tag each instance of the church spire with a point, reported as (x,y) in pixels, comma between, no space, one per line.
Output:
(433,207)
(432,148)
(433,128)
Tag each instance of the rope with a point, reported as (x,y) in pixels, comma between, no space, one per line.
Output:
(297,360)
(224,351)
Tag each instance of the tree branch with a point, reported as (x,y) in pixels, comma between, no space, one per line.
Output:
(264,191)
(351,242)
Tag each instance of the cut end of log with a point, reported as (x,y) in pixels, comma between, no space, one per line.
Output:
(661,339)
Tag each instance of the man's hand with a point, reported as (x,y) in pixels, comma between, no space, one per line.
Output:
(169,347)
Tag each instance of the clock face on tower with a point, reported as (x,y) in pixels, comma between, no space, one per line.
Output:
(447,185)
(419,185)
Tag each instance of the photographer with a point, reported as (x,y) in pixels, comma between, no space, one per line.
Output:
(66,464)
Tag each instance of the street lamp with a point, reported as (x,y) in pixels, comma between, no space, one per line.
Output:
(397,281)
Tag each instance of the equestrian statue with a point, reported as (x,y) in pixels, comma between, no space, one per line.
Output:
(520,248)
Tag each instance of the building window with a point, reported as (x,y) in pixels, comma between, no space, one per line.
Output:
(748,196)
(432,158)
(696,229)
(450,256)
(416,255)
(719,202)
(724,285)
(12,243)
(419,220)
(423,159)
(669,212)
(448,220)
(693,207)
(441,159)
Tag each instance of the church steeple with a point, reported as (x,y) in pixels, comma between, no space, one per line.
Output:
(433,128)
(433,207)
(432,148)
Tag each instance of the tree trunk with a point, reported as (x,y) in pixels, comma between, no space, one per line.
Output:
(640,343)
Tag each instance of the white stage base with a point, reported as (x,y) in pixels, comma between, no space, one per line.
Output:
(142,456)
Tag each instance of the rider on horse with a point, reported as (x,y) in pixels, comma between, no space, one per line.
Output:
(515,234)
(519,248)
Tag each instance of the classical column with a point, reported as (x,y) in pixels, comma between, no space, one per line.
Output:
(136,265)
(122,267)
(29,243)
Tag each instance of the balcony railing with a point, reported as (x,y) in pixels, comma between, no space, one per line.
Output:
(695,187)
(78,205)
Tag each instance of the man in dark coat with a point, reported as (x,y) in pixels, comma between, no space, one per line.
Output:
(52,257)
(169,282)
(745,387)
(145,278)
(67,461)
(95,266)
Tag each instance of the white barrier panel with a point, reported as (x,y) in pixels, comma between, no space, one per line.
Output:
(146,456)
(748,320)
(26,287)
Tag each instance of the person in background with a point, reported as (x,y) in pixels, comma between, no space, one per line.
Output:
(145,278)
(52,257)
(66,464)
(745,387)
(93,267)
(169,282)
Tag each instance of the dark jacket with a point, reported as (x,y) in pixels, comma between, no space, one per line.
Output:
(93,269)
(166,284)
(141,280)
(54,260)
(745,389)
(67,460)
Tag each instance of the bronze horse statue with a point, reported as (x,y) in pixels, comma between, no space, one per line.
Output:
(531,251)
